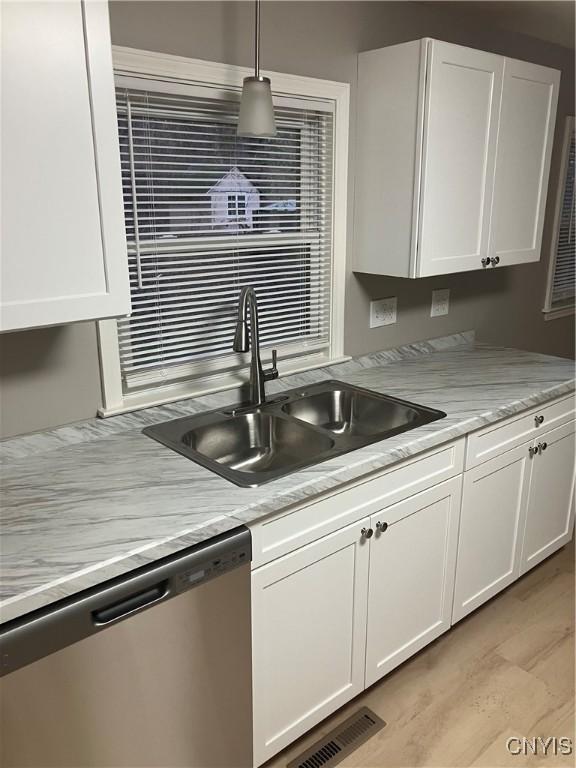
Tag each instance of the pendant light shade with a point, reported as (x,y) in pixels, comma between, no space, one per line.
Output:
(256,107)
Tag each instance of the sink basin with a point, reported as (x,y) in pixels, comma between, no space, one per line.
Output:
(301,427)
(257,442)
(352,412)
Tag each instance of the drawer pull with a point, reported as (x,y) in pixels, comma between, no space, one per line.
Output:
(381,527)
(538,420)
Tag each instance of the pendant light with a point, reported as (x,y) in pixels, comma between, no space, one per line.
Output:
(256,108)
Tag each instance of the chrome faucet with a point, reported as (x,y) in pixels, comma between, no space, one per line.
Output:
(258,376)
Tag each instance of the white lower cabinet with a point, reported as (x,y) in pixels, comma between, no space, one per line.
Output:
(308,636)
(336,610)
(331,617)
(550,512)
(411,576)
(494,501)
(517,509)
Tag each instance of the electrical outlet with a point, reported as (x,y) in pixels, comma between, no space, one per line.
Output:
(440,302)
(383,312)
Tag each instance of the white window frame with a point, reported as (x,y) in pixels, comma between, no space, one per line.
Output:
(551,313)
(158,66)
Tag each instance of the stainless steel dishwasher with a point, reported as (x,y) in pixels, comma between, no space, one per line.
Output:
(151,669)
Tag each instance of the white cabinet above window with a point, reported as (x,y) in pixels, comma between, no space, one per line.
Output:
(63,244)
(453,153)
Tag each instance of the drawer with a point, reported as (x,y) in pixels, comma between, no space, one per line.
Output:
(491,441)
(556,414)
(295,527)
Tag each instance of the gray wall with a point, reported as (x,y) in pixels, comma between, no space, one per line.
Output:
(51,376)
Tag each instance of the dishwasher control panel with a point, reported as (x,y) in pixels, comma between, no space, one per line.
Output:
(220,564)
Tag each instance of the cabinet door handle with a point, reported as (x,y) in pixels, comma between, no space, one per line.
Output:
(495,260)
(485,262)
(538,420)
(367,533)
(542,447)
(532,451)
(381,526)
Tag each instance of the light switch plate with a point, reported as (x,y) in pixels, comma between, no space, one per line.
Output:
(383,312)
(440,302)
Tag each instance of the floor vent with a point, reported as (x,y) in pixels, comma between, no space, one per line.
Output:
(340,742)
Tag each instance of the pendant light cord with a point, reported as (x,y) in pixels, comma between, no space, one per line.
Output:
(257,41)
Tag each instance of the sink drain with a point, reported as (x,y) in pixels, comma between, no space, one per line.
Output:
(340,742)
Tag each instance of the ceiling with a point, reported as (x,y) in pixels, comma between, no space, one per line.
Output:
(544,19)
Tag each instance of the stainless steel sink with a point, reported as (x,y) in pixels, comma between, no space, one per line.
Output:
(302,427)
(257,443)
(345,411)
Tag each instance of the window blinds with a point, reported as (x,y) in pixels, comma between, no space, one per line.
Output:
(208,212)
(562,293)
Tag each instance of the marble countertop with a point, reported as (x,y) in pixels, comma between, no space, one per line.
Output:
(89,502)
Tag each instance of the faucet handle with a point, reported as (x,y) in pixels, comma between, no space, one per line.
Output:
(272,373)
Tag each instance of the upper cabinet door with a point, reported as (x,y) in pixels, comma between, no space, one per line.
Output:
(461,130)
(527,118)
(63,241)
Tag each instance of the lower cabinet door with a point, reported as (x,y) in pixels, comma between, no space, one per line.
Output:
(550,516)
(308,636)
(411,576)
(494,502)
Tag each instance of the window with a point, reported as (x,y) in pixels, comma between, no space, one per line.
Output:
(208,212)
(562,273)
(237,207)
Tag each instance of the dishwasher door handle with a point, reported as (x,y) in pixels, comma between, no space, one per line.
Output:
(130,604)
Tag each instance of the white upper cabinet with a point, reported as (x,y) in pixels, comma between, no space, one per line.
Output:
(453,158)
(63,242)
(528,114)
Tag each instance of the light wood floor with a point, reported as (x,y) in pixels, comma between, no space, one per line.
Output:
(506,670)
